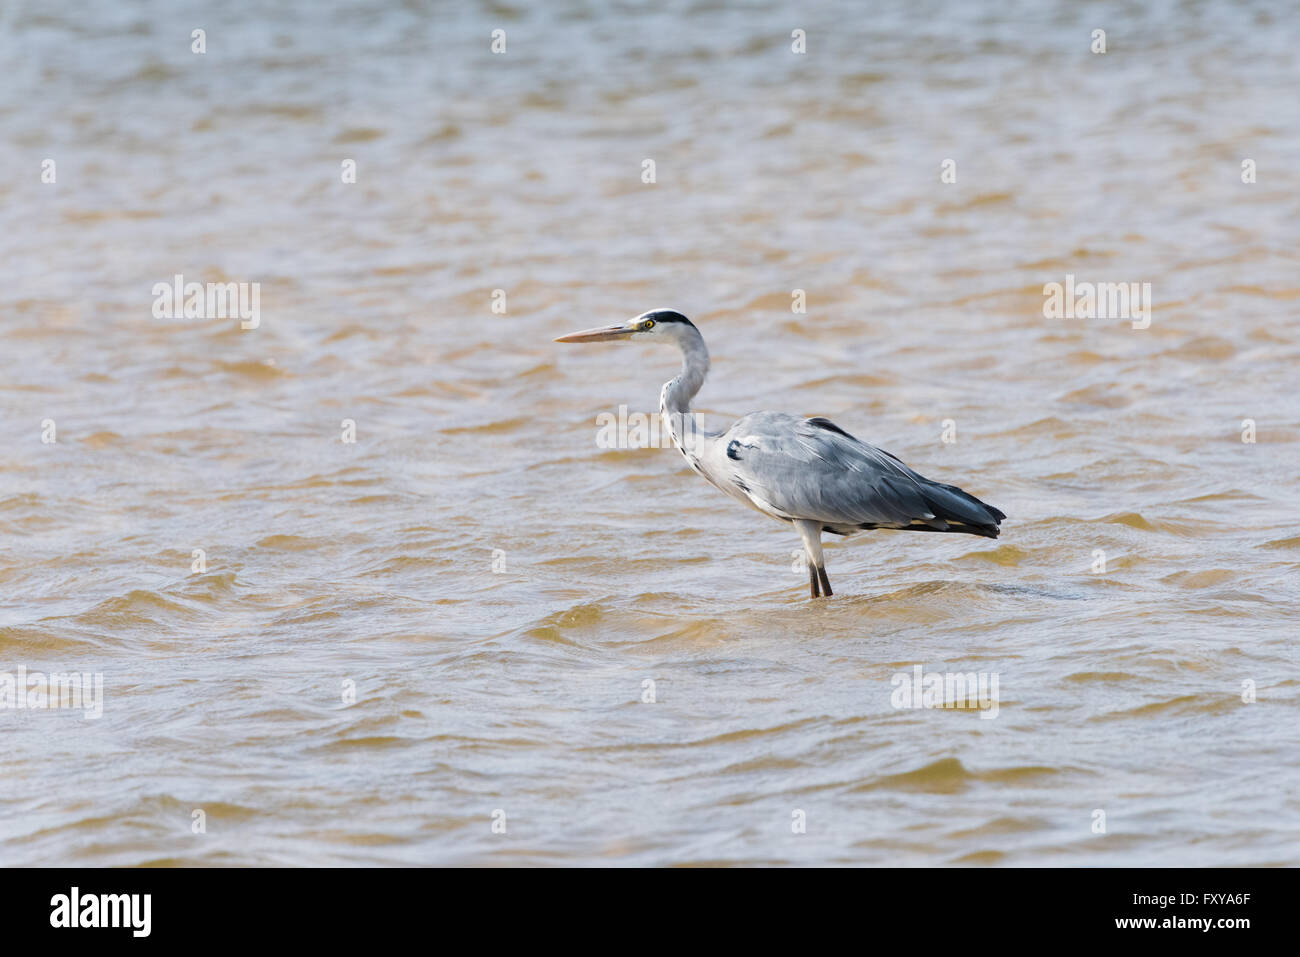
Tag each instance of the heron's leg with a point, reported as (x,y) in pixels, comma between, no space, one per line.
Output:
(811,533)
(826,582)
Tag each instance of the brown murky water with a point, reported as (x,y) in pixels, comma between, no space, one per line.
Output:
(495,586)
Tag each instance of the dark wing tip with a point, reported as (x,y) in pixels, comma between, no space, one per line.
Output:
(962,510)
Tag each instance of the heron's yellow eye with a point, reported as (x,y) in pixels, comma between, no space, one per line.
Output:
(648,324)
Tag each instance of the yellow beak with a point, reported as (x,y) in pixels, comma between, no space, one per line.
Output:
(602,334)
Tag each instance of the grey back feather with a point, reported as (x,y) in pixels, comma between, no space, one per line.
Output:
(796,468)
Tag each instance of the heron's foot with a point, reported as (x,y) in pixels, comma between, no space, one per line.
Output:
(812,581)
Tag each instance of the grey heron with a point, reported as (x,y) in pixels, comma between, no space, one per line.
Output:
(807,472)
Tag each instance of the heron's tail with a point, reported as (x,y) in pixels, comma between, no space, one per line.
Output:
(958,511)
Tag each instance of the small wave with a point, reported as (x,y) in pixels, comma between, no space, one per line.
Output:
(949,776)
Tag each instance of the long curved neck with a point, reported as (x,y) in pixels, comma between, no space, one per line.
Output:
(677,393)
(675,397)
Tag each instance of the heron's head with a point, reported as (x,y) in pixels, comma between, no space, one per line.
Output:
(657,325)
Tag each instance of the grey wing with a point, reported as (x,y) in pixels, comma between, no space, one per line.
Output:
(795,468)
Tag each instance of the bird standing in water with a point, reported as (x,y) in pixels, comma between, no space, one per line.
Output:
(808,472)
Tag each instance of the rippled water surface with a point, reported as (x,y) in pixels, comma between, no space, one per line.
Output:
(498,588)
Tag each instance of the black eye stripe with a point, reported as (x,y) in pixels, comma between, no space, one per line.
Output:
(667,315)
